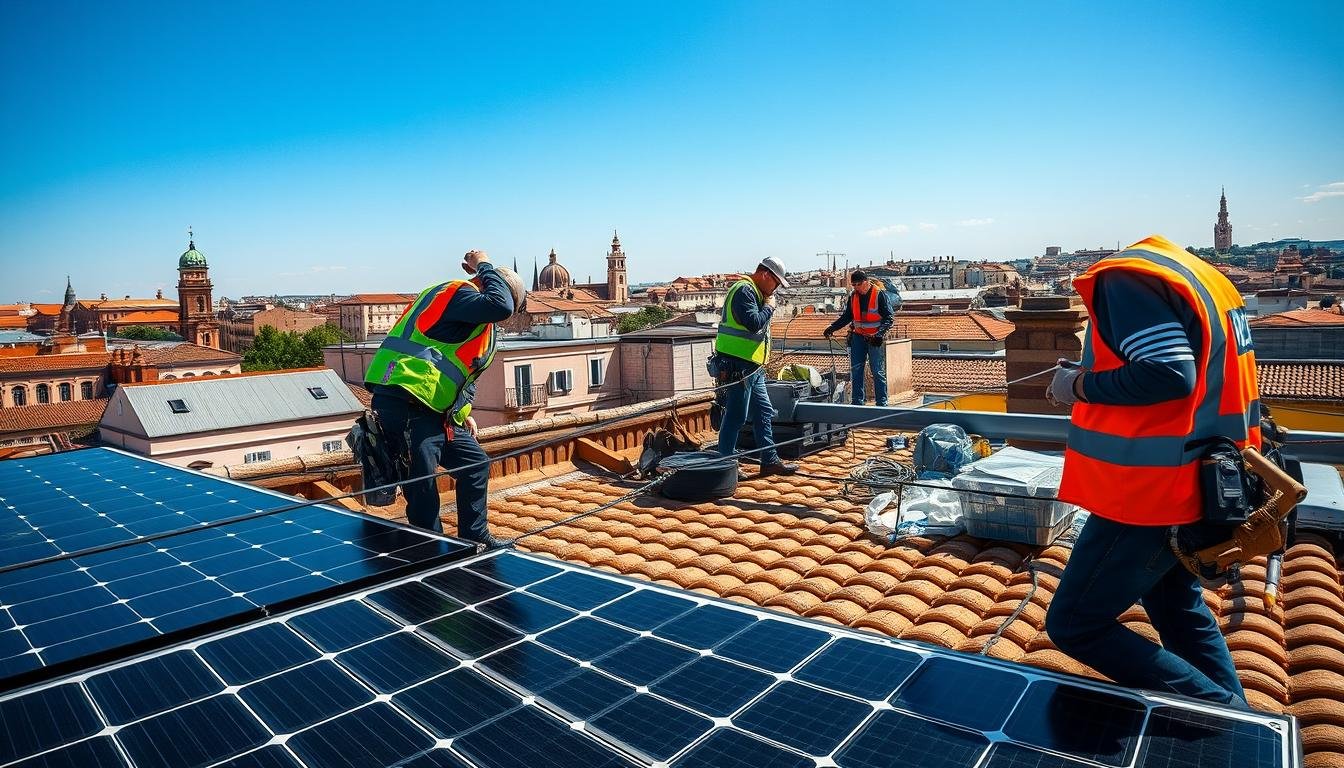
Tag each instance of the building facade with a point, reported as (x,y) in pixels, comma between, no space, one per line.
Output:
(238,328)
(234,420)
(372,314)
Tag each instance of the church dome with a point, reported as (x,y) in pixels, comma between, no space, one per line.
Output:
(553,276)
(192,258)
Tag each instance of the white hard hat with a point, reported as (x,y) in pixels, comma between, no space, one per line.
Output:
(515,287)
(776,268)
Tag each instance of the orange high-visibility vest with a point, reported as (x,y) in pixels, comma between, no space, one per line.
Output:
(866,319)
(1139,464)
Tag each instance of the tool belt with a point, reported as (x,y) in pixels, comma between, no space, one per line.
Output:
(1247,500)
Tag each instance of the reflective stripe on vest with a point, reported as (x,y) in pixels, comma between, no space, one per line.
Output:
(436,373)
(733,338)
(866,320)
(1139,464)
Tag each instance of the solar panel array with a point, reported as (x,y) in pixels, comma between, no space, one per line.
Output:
(71,611)
(510,660)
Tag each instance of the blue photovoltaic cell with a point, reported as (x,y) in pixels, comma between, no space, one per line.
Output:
(396,662)
(1078,721)
(1182,737)
(256,653)
(775,646)
(130,693)
(74,610)
(644,609)
(938,689)
(805,718)
(303,696)
(727,748)
(705,627)
(372,735)
(859,668)
(652,726)
(414,677)
(1005,755)
(586,639)
(894,738)
(513,570)
(713,686)
(644,660)
(579,591)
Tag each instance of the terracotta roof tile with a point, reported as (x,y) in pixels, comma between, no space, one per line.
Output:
(157,316)
(52,416)
(1300,318)
(946,326)
(42,363)
(797,547)
(379,298)
(1314,380)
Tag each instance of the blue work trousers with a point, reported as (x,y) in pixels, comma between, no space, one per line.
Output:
(859,352)
(430,449)
(749,398)
(1113,566)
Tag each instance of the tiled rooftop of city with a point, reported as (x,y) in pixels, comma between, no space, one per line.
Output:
(798,545)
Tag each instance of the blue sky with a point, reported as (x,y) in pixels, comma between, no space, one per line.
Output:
(343,147)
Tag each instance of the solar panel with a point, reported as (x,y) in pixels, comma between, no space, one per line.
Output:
(199,574)
(528,669)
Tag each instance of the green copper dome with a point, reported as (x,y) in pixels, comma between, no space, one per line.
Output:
(192,259)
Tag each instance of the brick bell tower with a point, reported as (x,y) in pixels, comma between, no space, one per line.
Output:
(618,286)
(195,305)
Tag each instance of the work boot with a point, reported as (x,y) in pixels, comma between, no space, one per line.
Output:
(488,543)
(778,468)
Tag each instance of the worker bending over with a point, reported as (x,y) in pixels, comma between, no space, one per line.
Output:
(742,348)
(870,311)
(423,380)
(1167,363)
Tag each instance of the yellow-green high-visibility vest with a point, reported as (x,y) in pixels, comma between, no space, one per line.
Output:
(733,337)
(434,372)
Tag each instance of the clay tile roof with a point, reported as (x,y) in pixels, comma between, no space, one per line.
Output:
(131,304)
(148,316)
(41,363)
(186,354)
(13,321)
(380,298)
(1310,380)
(797,545)
(947,375)
(1300,318)
(946,326)
(52,416)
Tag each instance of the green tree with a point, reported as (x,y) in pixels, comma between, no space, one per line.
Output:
(644,318)
(273,350)
(147,333)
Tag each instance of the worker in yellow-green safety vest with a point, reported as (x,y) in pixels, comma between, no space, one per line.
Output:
(742,347)
(423,380)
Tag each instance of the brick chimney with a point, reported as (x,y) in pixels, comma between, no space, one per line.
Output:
(1045,328)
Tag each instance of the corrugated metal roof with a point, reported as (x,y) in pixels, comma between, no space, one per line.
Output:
(233,402)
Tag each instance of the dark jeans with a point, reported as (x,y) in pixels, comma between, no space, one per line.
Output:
(748,398)
(859,351)
(1114,565)
(430,449)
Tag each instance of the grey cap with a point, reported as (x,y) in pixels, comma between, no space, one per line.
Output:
(776,268)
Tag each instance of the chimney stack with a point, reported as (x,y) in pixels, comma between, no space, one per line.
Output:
(1045,328)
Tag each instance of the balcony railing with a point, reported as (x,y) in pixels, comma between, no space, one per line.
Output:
(525,398)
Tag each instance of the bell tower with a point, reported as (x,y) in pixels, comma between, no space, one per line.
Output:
(1222,231)
(195,305)
(618,286)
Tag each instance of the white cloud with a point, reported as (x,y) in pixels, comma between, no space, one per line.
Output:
(1334,189)
(975,222)
(894,229)
(927,227)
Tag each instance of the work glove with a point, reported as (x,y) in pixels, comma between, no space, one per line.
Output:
(875,341)
(828,333)
(1062,388)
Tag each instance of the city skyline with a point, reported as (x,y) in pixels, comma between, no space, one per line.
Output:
(363,151)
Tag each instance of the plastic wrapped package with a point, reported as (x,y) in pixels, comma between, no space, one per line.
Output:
(997,509)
